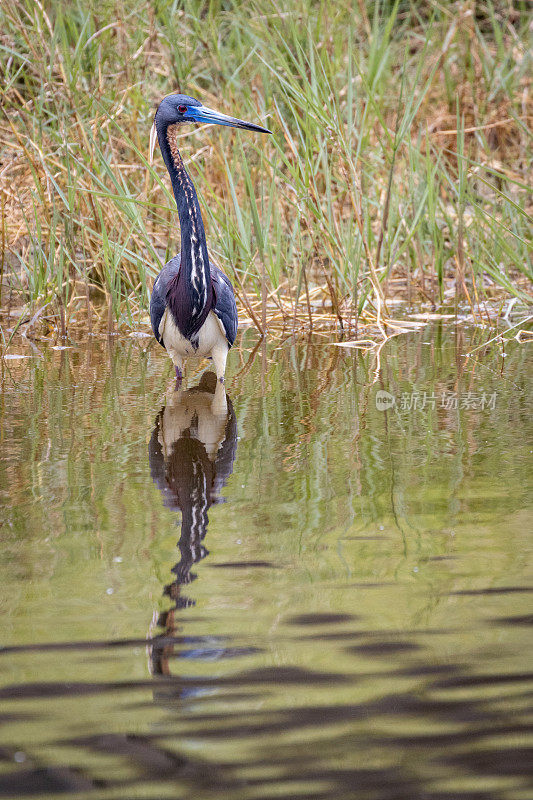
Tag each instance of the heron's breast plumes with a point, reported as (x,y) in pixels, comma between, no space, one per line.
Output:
(172,134)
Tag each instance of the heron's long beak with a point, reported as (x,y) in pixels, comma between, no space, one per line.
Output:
(203,114)
(153,139)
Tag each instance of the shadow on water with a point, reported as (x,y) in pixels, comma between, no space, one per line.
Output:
(353,633)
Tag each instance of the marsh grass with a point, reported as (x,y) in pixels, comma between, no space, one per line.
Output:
(398,168)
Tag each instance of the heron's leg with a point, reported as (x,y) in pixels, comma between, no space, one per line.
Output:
(219,355)
(219,405)
(178,367)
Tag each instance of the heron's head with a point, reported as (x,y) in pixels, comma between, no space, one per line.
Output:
(179,108)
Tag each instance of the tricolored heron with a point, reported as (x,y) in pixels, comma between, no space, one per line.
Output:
(192,308)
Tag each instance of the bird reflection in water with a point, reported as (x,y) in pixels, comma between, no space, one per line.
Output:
(191,453)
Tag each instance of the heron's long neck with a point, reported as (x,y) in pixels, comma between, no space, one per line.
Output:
(195,271)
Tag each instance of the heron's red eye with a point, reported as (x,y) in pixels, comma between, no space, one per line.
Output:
(182,109)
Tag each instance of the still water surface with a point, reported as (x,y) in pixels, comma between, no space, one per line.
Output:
(282,593)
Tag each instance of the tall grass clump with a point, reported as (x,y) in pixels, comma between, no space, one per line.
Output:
(399,167)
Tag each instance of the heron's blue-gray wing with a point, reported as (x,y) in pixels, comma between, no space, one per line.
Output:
(224,305)
(158,300)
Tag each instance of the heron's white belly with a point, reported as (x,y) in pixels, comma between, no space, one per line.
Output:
(211,337)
